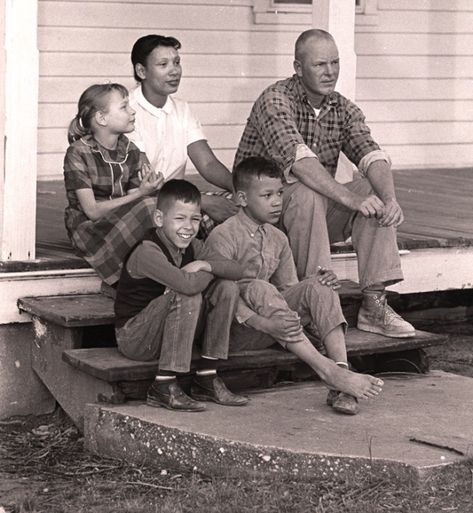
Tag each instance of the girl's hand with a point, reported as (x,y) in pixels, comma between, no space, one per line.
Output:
(150,181)
(328,277)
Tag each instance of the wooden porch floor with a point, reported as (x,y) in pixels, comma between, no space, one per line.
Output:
(438,206)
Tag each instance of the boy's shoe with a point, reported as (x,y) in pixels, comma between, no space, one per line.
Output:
(380,318)
(171,396)
(215,390)
(342,402)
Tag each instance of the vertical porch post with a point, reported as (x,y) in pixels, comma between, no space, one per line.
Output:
(19,62)
(338,18)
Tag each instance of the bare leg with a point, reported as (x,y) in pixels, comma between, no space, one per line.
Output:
(334,343)
(358,385)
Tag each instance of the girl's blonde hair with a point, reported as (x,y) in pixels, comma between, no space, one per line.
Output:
(92,100)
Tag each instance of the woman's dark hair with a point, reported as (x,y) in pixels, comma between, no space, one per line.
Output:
(92,100)
(177,190)
(145,45)
(253,167)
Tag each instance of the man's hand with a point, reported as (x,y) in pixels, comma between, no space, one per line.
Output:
(196,266)
(218,208)
(393,215)
(328,277)
(371,206)
(150,182)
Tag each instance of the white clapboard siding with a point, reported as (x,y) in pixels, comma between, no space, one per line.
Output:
(192,89)
(214,41)
(412,111)
(424,22)
(118,65)
(58,115)
(414,66)
(414,71)
(426,5)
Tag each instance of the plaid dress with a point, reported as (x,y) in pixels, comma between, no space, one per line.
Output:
(105,243)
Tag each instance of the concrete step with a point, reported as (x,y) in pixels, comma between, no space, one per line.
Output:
(419,426)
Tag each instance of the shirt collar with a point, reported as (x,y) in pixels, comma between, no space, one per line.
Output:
(143,102)
(329,101)
(250,224)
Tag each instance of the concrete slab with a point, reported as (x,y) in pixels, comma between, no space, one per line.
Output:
(291,430)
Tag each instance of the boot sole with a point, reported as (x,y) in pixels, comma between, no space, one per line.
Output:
(379,331)
(156,404)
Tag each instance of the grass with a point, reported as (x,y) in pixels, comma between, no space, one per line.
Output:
(45,469)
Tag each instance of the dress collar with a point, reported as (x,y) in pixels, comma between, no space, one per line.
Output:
(120,153)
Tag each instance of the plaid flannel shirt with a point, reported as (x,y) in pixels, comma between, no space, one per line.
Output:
(282,123)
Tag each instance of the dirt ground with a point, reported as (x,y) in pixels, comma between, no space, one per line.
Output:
(43,468)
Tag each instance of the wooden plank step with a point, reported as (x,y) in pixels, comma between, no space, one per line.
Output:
(109,365)
(74,310)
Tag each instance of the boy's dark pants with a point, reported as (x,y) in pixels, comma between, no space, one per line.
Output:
(167,327)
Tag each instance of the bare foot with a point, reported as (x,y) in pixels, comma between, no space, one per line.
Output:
(361,386)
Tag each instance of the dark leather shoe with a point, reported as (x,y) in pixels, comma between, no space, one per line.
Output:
(171,396)
(215,390)
(342,402)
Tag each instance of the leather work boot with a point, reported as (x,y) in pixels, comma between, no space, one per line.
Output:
(342,402)
(215,390)
(376,316)
(171,396)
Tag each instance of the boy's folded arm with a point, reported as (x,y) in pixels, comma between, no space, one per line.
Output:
(223,266)
(148,261)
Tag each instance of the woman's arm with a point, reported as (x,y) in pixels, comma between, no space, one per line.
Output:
(210,168)
(208,165)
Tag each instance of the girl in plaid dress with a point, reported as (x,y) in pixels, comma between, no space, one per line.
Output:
(110,187)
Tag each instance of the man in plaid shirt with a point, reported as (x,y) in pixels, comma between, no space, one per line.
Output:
(303,124)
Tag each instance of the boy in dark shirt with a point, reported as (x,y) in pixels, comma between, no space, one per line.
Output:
(274,305)
(165,297)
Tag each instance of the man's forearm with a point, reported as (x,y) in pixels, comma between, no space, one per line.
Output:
(381,178)
(312,174)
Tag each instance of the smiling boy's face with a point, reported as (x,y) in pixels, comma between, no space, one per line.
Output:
(262,201)
(180,222)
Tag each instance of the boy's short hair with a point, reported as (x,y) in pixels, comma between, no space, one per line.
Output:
(177,190)
(253,167)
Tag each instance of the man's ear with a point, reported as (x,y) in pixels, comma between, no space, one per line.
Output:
(297,67)
(241,196)
(158,218)
(140,70)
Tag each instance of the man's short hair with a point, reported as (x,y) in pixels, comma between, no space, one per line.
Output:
(309,34)
(146,44)
(253,168)
(177,190)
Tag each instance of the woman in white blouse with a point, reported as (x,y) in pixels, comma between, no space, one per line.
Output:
(165,128)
